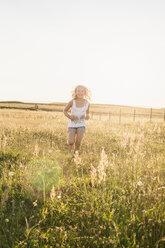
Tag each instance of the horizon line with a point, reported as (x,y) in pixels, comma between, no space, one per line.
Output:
(93,103)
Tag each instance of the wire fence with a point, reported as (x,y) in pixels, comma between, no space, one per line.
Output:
(134,116)
(120,115)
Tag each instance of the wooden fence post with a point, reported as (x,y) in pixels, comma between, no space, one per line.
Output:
(36,107)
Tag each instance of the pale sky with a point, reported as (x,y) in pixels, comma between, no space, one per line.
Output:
(114,47)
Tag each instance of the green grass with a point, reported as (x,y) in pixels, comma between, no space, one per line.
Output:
(111,195)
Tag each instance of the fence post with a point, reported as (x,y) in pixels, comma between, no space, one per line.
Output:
(120,116)
(134,114)
(36,107)
(150,114)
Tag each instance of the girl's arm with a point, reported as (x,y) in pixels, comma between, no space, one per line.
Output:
(66,109)
(87,116)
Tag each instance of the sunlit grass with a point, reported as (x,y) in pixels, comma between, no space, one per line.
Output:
(119,113)
(110,195)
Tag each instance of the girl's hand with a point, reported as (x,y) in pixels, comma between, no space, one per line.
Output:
(74,118)
(82,117)
(87,117)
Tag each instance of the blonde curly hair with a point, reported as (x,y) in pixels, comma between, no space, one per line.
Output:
(87,94)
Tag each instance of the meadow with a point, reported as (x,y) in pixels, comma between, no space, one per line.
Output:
(110,195)
(101,111)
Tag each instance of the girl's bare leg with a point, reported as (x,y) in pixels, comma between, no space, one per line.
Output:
(79,138)
(71,139)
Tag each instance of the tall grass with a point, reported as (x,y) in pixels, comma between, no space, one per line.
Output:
(110,195)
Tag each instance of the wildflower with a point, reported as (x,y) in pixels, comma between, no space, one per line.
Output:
(35,203)
(139,184)
(144,212)
(11,173)
(77,158)
(102,166)
(102,176)
(149,220)
(149,166)
(6,220)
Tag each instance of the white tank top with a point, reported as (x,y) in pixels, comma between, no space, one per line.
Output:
(78,112)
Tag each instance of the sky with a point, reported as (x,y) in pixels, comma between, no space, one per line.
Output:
(115,48)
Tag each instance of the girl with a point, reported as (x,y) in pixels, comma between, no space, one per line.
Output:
(79,113)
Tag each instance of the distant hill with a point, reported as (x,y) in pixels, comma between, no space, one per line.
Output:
(12,102)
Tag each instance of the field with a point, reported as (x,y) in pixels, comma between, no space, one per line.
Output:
(118,113)
(110,195)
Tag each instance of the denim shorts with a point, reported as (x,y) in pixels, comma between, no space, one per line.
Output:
(75,129)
